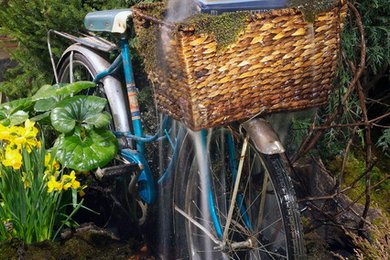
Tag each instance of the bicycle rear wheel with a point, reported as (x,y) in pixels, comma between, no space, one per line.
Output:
(265,223)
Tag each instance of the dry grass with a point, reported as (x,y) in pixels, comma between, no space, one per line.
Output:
(375,247)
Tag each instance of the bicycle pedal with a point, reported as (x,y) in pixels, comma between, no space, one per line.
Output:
(116,171)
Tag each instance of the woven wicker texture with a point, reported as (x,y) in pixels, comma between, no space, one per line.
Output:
(280,63)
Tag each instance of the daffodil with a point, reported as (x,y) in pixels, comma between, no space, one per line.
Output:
(54,166)
(4,133)
(13,158)
(25,180)
(81,191)
(53,184)
(26,136)
(70,181)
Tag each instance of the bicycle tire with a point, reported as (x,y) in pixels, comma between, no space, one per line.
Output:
(279,199)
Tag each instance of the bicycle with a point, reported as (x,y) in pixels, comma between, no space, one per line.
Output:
(249,210)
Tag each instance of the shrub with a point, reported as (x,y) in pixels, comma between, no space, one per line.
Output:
(28,22)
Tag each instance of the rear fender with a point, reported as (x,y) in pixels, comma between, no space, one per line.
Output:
(263,135)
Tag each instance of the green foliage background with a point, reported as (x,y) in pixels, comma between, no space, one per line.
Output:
(27,22)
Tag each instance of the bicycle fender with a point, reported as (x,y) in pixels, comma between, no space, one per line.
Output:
(113,87)
(264,136)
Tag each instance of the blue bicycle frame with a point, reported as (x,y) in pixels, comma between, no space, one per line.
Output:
(146,187)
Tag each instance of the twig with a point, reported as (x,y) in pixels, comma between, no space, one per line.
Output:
(360,196)
(307,138)
(304,150)
(366,171)
(368,149)
(338,185)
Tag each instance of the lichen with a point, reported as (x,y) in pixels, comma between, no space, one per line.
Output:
(225,28)
(311,8)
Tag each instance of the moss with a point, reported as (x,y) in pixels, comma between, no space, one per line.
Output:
(149,37)
(148,41)
(311,8)
(355,166)
(225,28)
(82,245)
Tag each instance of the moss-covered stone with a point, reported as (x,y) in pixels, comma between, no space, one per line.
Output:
(311,8)
(356,166)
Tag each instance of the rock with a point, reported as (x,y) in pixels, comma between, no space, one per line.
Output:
(321,216)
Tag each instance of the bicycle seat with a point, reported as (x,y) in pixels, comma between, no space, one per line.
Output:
(114,21)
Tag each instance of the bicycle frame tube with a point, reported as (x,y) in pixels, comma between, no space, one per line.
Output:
(213,213)
(131,93)
(234,167)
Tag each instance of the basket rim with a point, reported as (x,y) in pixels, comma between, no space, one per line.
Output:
(138,12)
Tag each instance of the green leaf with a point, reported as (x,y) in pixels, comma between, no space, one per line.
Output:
(74,88)
(24,104)
(18,117)
(41,117)
(44,105)
(87,151)
(48,91)
(15,112)
(80,110)
(99,120)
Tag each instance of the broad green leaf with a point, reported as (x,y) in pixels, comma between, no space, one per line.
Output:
(62,89)
(24,104)
(44,92)
(99,120)
(18,117)
(79,110)
(15,112)
(87,150)
(74,88)
(41,117)
(44,105)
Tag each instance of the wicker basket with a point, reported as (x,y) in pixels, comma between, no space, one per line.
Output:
(280,63)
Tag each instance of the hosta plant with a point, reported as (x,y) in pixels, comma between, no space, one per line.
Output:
(84,143)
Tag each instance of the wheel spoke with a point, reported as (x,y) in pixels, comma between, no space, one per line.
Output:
(262,202)
(264,236)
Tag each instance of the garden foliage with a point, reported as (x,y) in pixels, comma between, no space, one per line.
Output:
(32,182)
(31,186)
(27,23)
(84,142)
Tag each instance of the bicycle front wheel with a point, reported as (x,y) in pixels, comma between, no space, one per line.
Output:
(265,223)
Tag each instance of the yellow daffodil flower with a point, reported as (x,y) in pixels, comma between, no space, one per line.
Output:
(4,133)
(70,181)
(53,184)
(12,158)
(53,166)
(81,191)
(26,136)
(25,179)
